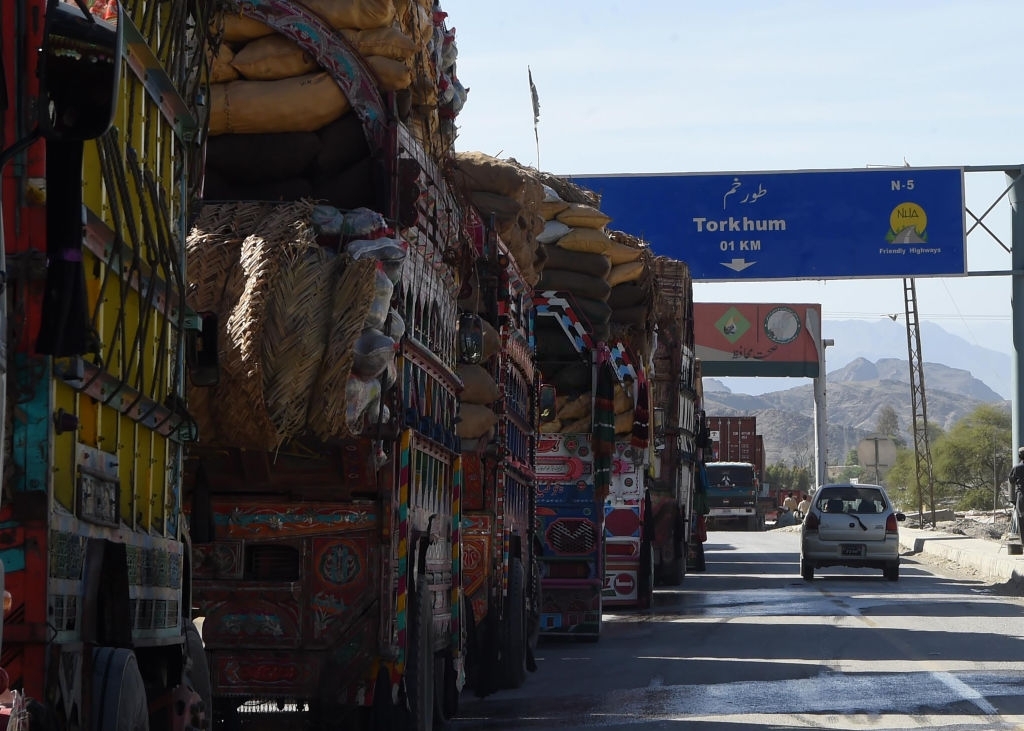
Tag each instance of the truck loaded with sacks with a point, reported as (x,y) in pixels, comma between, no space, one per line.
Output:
(326,487)
(594,345)
(498,422)
(99,157)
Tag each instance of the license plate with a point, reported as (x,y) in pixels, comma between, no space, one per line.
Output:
(851,549)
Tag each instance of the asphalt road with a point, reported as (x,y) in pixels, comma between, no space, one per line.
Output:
(750,645)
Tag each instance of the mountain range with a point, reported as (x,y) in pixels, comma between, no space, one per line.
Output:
(856,392)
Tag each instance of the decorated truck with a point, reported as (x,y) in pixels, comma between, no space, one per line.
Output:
(592,498)
(99,158)
(677,423)
(326,487)
(734,471)
(498,436)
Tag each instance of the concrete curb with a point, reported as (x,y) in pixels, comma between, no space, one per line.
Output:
(987,557)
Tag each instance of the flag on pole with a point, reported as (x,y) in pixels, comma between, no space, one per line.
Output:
(536,100)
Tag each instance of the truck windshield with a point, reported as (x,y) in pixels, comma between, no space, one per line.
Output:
(730,475)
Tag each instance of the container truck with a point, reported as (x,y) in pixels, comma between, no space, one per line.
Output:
(99,153)
(326,488)
(734,472)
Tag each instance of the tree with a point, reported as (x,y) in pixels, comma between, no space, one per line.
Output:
(971,461)
(888,424)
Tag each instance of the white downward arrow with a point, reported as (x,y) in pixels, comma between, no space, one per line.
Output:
(738,265)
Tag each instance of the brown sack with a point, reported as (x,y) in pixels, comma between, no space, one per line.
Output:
(478,385)
(492,340)
(584,216)
(389,42)
(623,400)
(300,104)
(627,272)
(239,27)
(391,75)
(574,408)
(353,13)
(586,239)
(221,69)
(474,420)
(624,422)
(478,171)
(273,57)
(621,253)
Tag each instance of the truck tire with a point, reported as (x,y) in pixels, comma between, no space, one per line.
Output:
(197,677)
(512,665)
(419,660)
(534,608)
(892,571)
(806,570)
(645,576)
(118,692)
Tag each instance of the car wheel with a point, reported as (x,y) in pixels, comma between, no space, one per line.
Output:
(892,572)
(806,569)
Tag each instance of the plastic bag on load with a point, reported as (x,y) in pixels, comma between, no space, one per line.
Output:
(553,231)
(364,223)
(361,396)
(327,220)
(389,377)
(383,288)
(395,326)
(388,251)
(372,353)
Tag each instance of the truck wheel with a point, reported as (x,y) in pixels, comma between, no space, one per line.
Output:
(513,629)
(419,660)
(450,700)
(645,576)
(892,571)
(197,677)
(534,608)
(806,570)
(118,693)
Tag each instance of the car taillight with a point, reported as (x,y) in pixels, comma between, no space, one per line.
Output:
(891,526)
(8,601)
(812,521)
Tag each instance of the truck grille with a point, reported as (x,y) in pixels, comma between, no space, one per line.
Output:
(572,536)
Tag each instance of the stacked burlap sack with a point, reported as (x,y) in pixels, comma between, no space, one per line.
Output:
(592,264)
(504,190)
(477,418)
(573,413)
(306,337)
(280,127)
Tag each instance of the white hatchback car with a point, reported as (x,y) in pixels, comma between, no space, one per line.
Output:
(851,525)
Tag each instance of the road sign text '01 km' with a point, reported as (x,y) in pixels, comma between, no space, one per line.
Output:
(807,224)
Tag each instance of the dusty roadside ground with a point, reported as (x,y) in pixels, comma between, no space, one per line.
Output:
(988,525)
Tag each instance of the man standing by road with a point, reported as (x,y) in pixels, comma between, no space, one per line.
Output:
(1017,485)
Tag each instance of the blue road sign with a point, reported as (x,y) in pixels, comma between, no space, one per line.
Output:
(817,224)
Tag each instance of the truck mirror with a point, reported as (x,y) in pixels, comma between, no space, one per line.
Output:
(471,338)
(659,420)
(80,71)
(201,351)
(547,402)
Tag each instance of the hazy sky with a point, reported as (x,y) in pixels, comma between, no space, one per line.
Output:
(677,86)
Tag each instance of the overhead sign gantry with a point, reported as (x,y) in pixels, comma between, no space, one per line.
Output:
(816,224)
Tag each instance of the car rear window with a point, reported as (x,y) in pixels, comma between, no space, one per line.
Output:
(851,500)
